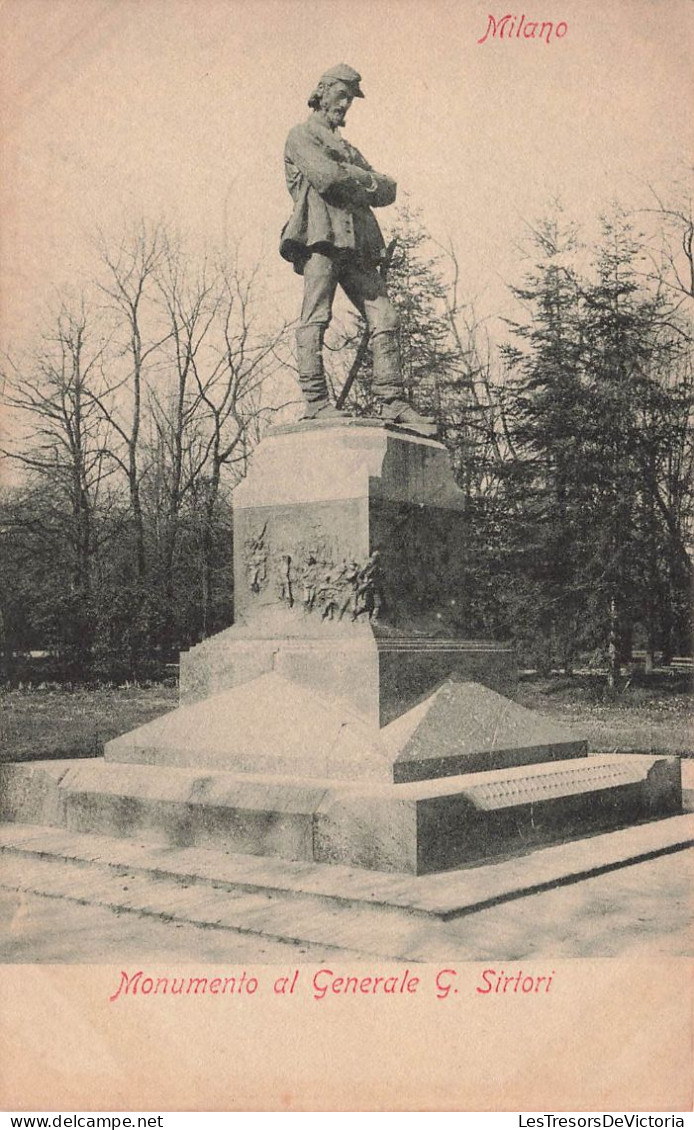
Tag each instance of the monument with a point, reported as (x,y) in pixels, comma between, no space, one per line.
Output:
(347,716)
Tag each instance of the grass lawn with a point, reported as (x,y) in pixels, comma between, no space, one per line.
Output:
(56,722)
(653,716)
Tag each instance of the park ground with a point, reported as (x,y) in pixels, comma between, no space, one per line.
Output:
(651,715)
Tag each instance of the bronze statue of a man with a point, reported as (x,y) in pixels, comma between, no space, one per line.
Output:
(333,237)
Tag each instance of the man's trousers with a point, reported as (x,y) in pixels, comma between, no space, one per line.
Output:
(366,290)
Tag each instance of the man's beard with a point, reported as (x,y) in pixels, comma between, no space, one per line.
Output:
(336,116)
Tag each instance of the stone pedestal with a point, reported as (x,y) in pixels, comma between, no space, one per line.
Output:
(350,573)
(349,715)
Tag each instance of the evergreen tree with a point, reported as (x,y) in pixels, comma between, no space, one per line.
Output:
(544,483)
(599,413)
(637,357)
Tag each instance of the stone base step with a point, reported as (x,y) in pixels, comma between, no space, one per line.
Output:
(401,917)
(416,827)
(264,915)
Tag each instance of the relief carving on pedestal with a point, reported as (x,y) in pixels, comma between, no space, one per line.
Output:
(255,560)
(331,589)
(314,577)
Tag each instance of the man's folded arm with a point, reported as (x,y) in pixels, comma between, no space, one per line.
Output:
(340,183)
(380,189)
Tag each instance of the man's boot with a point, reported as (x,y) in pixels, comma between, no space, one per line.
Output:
(309,345)
(388,386)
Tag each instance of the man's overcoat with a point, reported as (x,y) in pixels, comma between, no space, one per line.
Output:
(334,189)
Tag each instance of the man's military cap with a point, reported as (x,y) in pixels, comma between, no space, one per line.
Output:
(343,73)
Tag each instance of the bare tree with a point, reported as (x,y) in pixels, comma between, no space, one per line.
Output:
(672,248)
(63,444)
(191,306)
(231,375)
(131,271)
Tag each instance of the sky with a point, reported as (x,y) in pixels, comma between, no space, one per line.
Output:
(114,110)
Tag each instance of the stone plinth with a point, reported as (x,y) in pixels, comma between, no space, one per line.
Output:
(350,573)
(375,676)
(273,725)
(415,828)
